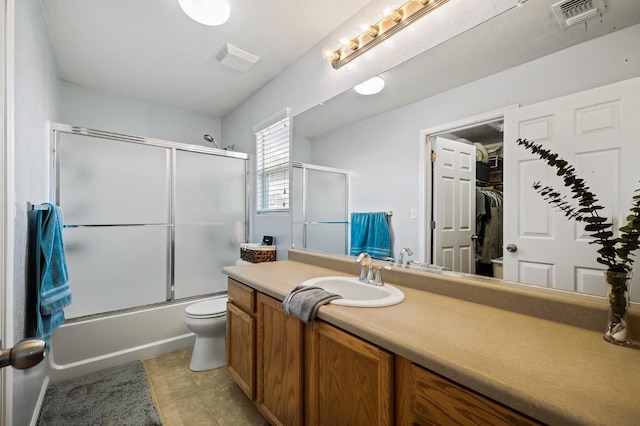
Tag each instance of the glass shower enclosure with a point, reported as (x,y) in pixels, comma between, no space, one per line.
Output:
(320,208)
(146,221)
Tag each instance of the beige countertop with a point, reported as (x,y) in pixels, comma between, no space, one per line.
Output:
(556,373)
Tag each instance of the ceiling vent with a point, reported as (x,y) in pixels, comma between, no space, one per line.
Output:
(572,12)
(236,58)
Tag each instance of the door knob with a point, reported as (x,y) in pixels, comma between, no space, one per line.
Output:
(512,248)
(25,354)
(474,237)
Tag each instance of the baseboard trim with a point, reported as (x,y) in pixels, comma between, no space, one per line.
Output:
(38,408)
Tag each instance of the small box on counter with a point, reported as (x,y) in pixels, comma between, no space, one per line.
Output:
(256,253)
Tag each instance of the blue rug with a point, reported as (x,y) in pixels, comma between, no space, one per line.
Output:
(117,396)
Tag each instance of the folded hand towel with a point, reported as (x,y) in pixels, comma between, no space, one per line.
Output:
(303,302)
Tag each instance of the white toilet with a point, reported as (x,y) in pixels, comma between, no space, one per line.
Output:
(208,320)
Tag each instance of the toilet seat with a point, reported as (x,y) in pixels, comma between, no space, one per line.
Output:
(208,309)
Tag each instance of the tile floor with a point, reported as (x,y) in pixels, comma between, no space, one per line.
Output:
(185,397)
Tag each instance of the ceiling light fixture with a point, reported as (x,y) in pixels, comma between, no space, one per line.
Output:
(398,19)
(370,87)
(206,12)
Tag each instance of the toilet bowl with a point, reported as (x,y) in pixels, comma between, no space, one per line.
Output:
(208,320)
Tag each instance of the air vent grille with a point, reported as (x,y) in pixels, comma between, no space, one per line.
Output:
(236,58)
(572,12)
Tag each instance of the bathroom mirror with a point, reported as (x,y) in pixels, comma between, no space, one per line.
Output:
(379,138)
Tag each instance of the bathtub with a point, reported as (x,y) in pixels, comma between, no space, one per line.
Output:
(83,346)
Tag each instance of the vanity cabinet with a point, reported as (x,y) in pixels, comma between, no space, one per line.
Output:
(241,336)
(280,380)
(318,374)
(349,381)
(426,398)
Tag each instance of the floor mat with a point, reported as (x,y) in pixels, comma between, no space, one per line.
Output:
(116,396)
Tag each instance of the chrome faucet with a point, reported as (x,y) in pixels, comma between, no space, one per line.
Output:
(401,255)
(371,277)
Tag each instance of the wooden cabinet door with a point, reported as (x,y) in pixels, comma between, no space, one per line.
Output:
(425,398)
(349,381)
(241,349)
(280,360)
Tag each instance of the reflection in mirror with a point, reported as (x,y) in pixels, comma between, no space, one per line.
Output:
(320,208)
(544,254)
(388,155)
(467,200)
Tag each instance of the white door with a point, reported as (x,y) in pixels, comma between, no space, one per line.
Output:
(597,131)
(454,177)
(5,408)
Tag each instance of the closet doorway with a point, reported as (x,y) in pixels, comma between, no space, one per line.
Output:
(463,196)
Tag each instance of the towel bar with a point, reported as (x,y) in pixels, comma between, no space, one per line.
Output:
(31,206)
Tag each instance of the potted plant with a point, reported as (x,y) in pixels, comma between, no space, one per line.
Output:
(616,253)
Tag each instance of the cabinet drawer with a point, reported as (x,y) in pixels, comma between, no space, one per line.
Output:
(242,295)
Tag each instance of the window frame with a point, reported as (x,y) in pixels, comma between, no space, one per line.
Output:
(278,164)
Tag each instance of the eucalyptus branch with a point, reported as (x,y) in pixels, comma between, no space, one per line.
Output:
(615,253)
(630,233)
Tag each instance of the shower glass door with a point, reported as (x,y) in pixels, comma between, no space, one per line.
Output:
(146,221)
(209,220)
(320,208)
(114,198)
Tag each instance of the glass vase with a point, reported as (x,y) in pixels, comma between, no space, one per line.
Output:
(618,286)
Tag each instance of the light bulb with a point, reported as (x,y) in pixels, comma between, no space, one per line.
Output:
(397,15)
(329,54)
(207,12)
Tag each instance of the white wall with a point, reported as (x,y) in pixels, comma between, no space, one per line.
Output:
(383,152)
(100,110)
(37,92)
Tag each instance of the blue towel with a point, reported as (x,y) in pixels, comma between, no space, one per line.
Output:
(370,234)
(54,292)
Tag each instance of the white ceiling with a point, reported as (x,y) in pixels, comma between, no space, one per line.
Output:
(150,49)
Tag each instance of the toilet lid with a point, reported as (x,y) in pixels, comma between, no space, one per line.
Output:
(208,308)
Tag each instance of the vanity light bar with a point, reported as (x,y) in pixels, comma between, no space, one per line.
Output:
(400,18)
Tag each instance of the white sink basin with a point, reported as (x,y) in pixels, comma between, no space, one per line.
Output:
(357,293)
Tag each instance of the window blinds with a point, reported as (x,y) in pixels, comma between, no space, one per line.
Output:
(272,164)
